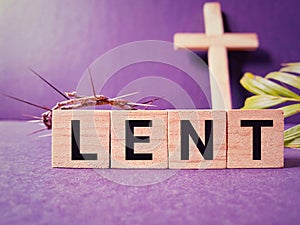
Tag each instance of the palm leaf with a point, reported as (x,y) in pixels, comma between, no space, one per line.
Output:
(292,137)
(259,85)
(293,144)
(249,82)
(262,101)
(286,78)
(291,69)
(290,110)
(290,64)
(268,93)
(277,89)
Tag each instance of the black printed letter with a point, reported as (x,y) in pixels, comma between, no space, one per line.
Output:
(131,139)
(76,155)
(256,124)
(188,130)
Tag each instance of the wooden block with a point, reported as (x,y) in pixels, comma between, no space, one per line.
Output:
(255,139)
(183,152)
(130,127)
(84,146)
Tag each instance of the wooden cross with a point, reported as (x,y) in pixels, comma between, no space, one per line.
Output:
(217,42)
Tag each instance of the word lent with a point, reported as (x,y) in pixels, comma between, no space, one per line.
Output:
(161,139)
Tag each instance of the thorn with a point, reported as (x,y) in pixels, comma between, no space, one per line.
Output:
(34,121)
(94,92)
(47,82)
(45,135)
(29,103)
(123,96)
(140,104)
(37,131)
(152,101)
(32,116)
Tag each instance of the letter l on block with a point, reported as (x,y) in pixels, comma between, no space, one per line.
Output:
(94,130)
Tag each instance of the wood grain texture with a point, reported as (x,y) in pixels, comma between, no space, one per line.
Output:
(240,139)
(213,20)
(157,133)
(217,42)
(219,78)
(94,138)
(202,42)
(197,119)
(165,138)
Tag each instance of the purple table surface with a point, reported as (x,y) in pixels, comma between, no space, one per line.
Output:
(31,192)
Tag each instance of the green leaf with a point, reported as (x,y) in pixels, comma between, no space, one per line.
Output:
(292,133)
(262,101)
(291,109)
(269,93)
(259,85)
(277,89)
(251,85)
(291,69)
(291,64)
(286,78)
(293,144)
(292,137)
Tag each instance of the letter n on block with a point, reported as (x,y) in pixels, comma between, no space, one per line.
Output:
(255,139)
(197,139)
(80,138)
(139,139)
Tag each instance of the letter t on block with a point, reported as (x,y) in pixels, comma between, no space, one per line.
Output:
(255,139)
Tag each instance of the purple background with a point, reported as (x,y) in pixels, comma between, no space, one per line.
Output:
(61,38)
(31,192)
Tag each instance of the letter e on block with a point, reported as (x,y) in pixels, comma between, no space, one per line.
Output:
(139,139)
(197,139)
(255,139)
(80,138)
